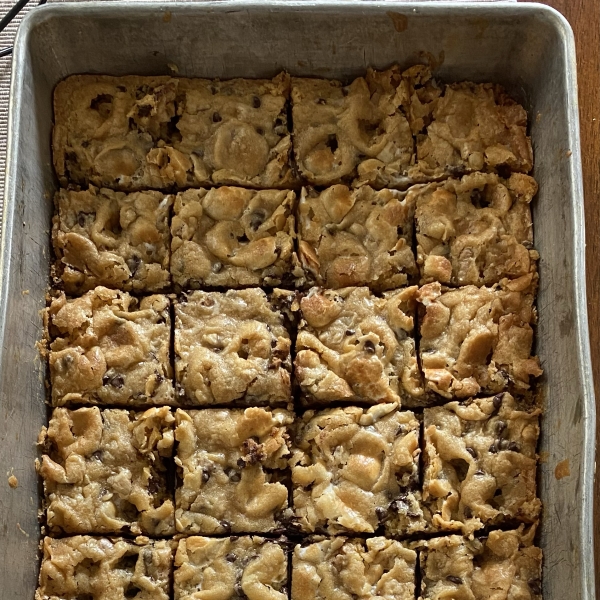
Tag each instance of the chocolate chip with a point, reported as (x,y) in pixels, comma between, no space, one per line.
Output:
(503,444)
(216,267)
(226,525)
(493,448)
(479,472)
(82,218)
(216,117)
(145,110)
(514,447)
(133,264)
(98,455)
(471,451)
(257,218)
(205,475)
(503,171)
(234,476)
(382,514)
(369,347)
(535,585)
(350,332)
(213,90)
(454,579)
(231,557)
(321,101)
(332,142)
(476,197)
(115,380)
(260,131)
(401,430)
(457,170)
(467,512)
(498,400)
(500,427)
(256,102)
(241,463)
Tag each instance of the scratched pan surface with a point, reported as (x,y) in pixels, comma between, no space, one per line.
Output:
(528,48)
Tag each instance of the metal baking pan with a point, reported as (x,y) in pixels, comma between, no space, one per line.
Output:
(527,47)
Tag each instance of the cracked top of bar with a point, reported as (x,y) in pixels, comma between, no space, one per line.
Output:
(480,463)
(349,464)
(232,348)
(341,568)
(232,237)
(356,131)
(108,347)
(356,237)
(138,132)
(232,468)
(479,340)
(504,564)
(108,238)
(101,568)
(476,230)
(104,471)
(354,346)
(249,567)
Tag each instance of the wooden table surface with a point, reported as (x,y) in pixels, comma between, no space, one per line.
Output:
(584,16)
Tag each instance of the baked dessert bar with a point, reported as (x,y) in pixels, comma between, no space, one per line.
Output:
(356,237)
(138,132)
(352,345)
(478,340)
(349,464)
(231,347)
(504,564)
(475,231)
(232,470)
(466,127)
(108,347)
(93,568)
(105,471)
(231,236)
(229,568)
(108,238)
(356,131)
(480,463)
(335,568)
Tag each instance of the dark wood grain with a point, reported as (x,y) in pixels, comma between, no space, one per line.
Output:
(584,16)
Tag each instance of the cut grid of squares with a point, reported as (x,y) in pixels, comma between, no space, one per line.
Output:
(290,266)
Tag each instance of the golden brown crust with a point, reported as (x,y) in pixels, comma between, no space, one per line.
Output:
(113,239)
(231,464)
(105,569)
(249,567)
(475,231)
(342,568)
(353,346)
(353,131)
(480,464)
(471,127)
(356,237)
(104,472)
(349,489)
(136,132)
(231,348)
(478,339)
(110,348)
(232,237)
(506,564)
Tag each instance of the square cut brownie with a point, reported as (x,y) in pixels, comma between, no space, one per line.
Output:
(231,347)
(91,568)
(349,464)
(231,568)
(108,238)
(355,131)
(232,237)
(504,564)
(465,127)
(105,471)
(232,469)
(341,568)
(136,132)
(476,230)
(354,346)
(356,237)
(478,340)
(108,347)
(480,463)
